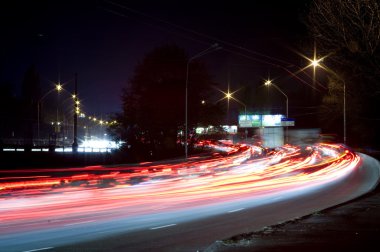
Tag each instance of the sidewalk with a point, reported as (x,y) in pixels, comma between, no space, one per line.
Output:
(352,226)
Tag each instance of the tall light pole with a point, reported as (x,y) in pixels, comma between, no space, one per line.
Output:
(228,97)
(344,113)
(315,63)
(270,83)
(76,111)
(58,88)
(212,48)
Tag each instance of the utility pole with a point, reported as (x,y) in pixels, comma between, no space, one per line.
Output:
(75,142)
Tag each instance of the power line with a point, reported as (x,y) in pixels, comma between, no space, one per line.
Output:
(260,57)
(196,32)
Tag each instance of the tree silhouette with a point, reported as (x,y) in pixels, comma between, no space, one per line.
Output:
(9,112)
(154,101)
(348,32)
(30,94)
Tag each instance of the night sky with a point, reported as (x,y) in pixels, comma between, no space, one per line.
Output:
(103,41)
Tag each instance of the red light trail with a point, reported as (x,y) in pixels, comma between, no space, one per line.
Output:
(60,197)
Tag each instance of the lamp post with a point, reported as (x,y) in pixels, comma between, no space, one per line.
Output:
(212,48)
(76,111)
(270,83)
(344,113)
(315,63)
(59,88)
(229,96)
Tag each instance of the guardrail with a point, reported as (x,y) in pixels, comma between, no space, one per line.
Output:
(57,149)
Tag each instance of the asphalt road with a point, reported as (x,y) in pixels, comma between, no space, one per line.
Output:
(198,234)
(350,226)
(195,228)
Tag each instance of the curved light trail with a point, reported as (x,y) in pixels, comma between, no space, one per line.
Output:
(51,199)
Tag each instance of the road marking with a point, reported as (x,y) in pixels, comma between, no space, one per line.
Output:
(277,198)
(32,250)
(77,223)
(103,232)
(236,210)
(153,228)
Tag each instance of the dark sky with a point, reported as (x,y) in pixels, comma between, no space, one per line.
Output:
(104,40)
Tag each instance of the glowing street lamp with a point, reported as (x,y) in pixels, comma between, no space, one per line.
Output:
(212,48)
(75,116)
(270,83)
(316,63)
(58,87)
(228,96)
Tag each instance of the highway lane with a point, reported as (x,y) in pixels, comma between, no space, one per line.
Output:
(186,214)
(198,234)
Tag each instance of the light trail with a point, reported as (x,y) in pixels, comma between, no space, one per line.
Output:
(69,197)
(165,226)
(39,249)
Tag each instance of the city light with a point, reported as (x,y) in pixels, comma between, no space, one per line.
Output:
(99,144)
(315,62)
(228,95)
(270,83)
(59,87)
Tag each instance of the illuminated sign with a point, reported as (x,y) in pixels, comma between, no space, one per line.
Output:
(230,129)
(251,121)
(271,120)
(287,122)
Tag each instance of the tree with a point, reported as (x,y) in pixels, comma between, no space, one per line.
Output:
(9,111)
(154,101)
(349,33)
(30,95)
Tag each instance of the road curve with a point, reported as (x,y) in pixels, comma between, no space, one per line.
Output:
(211,200)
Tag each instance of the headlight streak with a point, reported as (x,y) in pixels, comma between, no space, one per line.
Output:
(127,191)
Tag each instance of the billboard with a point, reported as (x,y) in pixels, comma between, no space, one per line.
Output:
(249,121)
(271,120)
(253,121)
(287,122)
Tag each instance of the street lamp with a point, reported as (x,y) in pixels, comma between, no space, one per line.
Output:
(58,88)
(270,83)
(315,63)
(228,96)
(76,112)
(212,48)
